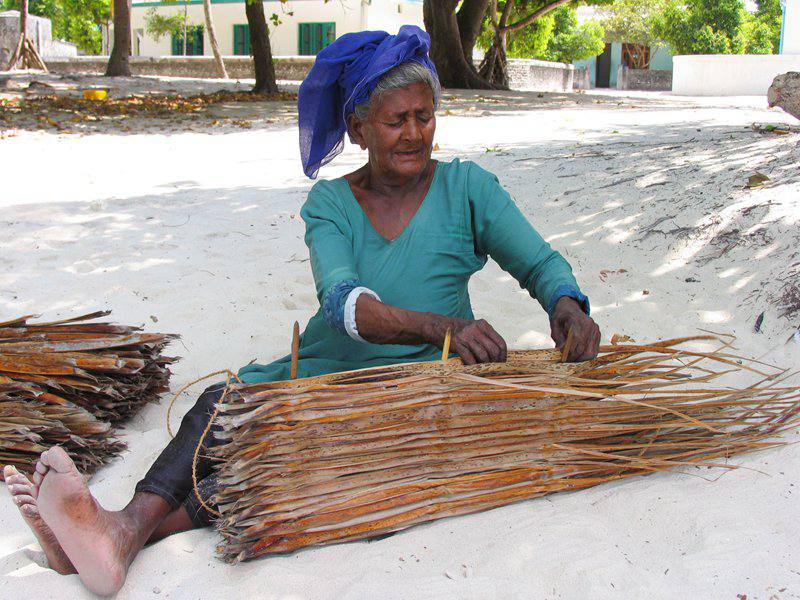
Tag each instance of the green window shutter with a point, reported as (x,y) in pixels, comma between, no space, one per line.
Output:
(316,38)
(329,34)
(194,42)
(194,46)
(241,40)
(303,46)
(313,37)
(236,33)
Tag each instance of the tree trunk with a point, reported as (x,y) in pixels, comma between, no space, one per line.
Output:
(119,64)
(185,27)
(260,46)
(470,19)
(494,67)
(455,68)
(213,39)
(23,33)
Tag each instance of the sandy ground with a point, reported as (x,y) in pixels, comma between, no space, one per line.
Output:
(196,231)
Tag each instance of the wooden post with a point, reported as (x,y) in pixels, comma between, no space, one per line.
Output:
(23,33)
(567,346)
(295,349)
(446,345)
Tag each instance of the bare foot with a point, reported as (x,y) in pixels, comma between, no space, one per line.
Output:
(98,542)
(23,493)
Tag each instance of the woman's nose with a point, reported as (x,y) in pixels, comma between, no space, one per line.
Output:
(412,130)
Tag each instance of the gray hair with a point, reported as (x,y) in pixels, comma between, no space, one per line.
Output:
(402,76)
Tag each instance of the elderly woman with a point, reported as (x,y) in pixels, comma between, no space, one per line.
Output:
(392,245)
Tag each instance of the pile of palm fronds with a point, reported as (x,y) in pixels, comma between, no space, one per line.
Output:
(361,454)
(69,382)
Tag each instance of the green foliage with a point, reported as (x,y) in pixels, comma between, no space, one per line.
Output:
(76,21)
(553,36)
(632,21)
(529,42)
(578,43)
(719,27)
(770,18)
(759,38)
(158,25)
(709,41)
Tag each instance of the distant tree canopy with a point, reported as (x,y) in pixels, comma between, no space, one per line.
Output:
(76,21)
(632,21)
(455,25)
(555,36)
(571,42)
(158,25)
(719,26)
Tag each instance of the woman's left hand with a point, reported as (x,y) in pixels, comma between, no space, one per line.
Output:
(567,315)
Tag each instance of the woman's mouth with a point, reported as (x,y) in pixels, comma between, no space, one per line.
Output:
(408,153)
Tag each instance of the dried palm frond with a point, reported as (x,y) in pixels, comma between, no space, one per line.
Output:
(68,382)
(110,370)
(361,454)
(31,421)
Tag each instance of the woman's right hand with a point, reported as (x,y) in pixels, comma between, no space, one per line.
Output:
(474,341)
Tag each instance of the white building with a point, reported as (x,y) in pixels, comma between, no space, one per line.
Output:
(790,33)
(306,25)
(38,30)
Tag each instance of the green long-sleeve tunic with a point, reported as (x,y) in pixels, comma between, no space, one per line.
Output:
(465,217)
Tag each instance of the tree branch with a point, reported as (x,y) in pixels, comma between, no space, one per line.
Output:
(506,12)
(469,18)
(533,16)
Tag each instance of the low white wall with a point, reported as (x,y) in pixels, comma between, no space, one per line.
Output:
(729,74)
(540,75)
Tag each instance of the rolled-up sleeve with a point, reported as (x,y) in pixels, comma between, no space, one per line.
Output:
(501,231)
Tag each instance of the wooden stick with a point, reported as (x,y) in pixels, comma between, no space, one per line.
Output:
(295,349)
(446,346)
(567,346)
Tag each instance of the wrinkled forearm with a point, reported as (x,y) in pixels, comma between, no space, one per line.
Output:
(382,323)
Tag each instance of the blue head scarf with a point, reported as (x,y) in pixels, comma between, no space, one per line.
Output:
(343,76)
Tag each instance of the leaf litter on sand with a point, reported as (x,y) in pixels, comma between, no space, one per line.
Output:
(362,454)
(57,110)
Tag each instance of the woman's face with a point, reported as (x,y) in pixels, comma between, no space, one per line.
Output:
(399,131)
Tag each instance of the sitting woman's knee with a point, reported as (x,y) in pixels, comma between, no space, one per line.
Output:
(206,402)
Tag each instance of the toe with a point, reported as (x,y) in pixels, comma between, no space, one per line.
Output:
(24,499)
(18,489)
(18,479)
(57,458)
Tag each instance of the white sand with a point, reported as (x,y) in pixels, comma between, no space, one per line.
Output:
(201,231)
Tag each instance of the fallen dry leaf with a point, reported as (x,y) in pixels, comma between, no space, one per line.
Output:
(756,180)
(604,273)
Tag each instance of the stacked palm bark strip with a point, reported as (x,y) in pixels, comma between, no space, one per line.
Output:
(70,382)
(361,454)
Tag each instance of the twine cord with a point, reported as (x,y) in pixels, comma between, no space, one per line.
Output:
(228,373)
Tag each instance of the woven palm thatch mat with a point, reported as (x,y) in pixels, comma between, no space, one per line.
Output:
(69,382)
(361,454)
